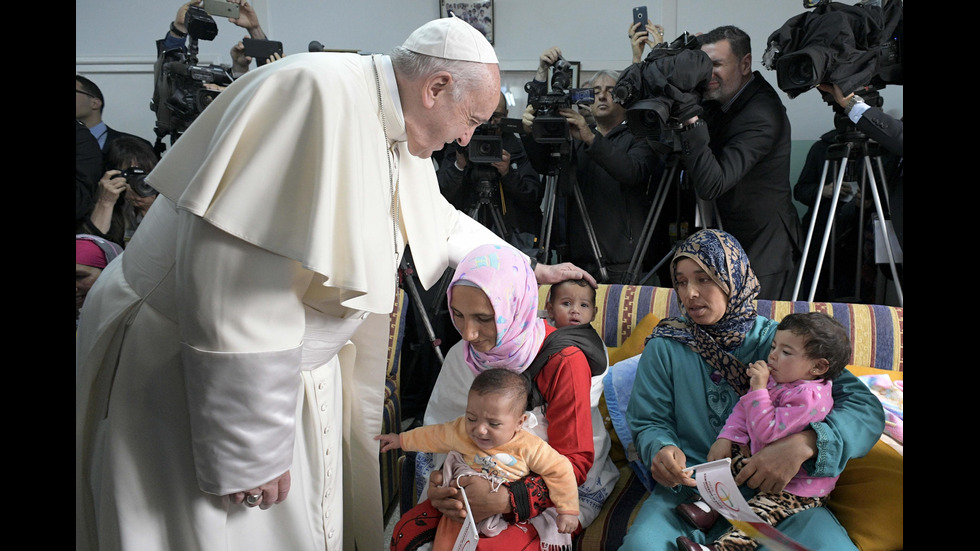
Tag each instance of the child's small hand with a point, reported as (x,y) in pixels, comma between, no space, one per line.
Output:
(758,373)
(721,449)
(389,441)
(567,523)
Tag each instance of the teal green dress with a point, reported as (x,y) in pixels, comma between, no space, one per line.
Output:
(676,402)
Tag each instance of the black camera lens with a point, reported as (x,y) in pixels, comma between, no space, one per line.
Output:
(136,178)
(798,71)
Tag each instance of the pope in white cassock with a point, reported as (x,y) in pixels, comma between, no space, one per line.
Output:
(233,355)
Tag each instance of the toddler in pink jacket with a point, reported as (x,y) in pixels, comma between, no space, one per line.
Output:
(785,395)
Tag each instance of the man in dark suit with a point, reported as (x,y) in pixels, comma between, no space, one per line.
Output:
(89,103)
(737,154)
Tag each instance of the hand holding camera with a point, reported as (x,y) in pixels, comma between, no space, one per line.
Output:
(503,165)
(181,18)
(685,105)
(548,58)
(136,180)
(578,127)
(111,185)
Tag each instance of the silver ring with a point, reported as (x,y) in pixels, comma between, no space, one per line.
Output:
(253,499)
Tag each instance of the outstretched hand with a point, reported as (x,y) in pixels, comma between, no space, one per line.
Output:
(390,441)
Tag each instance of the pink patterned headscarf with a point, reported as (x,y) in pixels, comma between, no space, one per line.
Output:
(508,281)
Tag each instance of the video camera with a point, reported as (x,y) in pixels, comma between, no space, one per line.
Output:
(850,46)
(664,89)
(486,146)
(180,94)
(549,125)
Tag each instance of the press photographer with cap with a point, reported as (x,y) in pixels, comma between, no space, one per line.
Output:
(215,377)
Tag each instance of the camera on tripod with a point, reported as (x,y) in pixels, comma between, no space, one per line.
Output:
(486,145)
(549,125)
(664,89)
(850,46)
(180,94)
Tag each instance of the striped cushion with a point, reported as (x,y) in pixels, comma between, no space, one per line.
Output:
(877,332)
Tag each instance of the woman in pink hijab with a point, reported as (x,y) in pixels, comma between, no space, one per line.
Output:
(493,302)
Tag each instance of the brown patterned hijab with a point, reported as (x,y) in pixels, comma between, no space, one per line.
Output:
(721,256)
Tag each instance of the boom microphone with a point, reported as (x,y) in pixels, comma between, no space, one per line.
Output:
(316,46)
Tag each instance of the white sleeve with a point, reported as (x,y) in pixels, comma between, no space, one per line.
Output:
(465,234)
(242,322)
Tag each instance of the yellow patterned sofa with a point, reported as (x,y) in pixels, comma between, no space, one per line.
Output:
(868,498)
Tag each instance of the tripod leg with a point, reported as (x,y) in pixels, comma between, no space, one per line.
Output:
(550,188)
(498,221)
(830,222)
(593,242)
(883,227)
(651,222)
(416,298)
(809,232)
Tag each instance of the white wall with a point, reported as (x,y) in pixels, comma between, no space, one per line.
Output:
(114,40)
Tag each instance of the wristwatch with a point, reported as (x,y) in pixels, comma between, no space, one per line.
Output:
(693,125)
(855,99)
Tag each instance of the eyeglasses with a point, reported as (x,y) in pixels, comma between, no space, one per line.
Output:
(85,94)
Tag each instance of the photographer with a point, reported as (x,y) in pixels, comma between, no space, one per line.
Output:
(119,207)
(611,166)
(176,38)
(516,186)
(183,88)
(737,154)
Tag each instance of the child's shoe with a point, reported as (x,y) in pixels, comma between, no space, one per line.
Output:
(698,514)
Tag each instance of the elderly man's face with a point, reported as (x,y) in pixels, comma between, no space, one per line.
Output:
(448,120)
